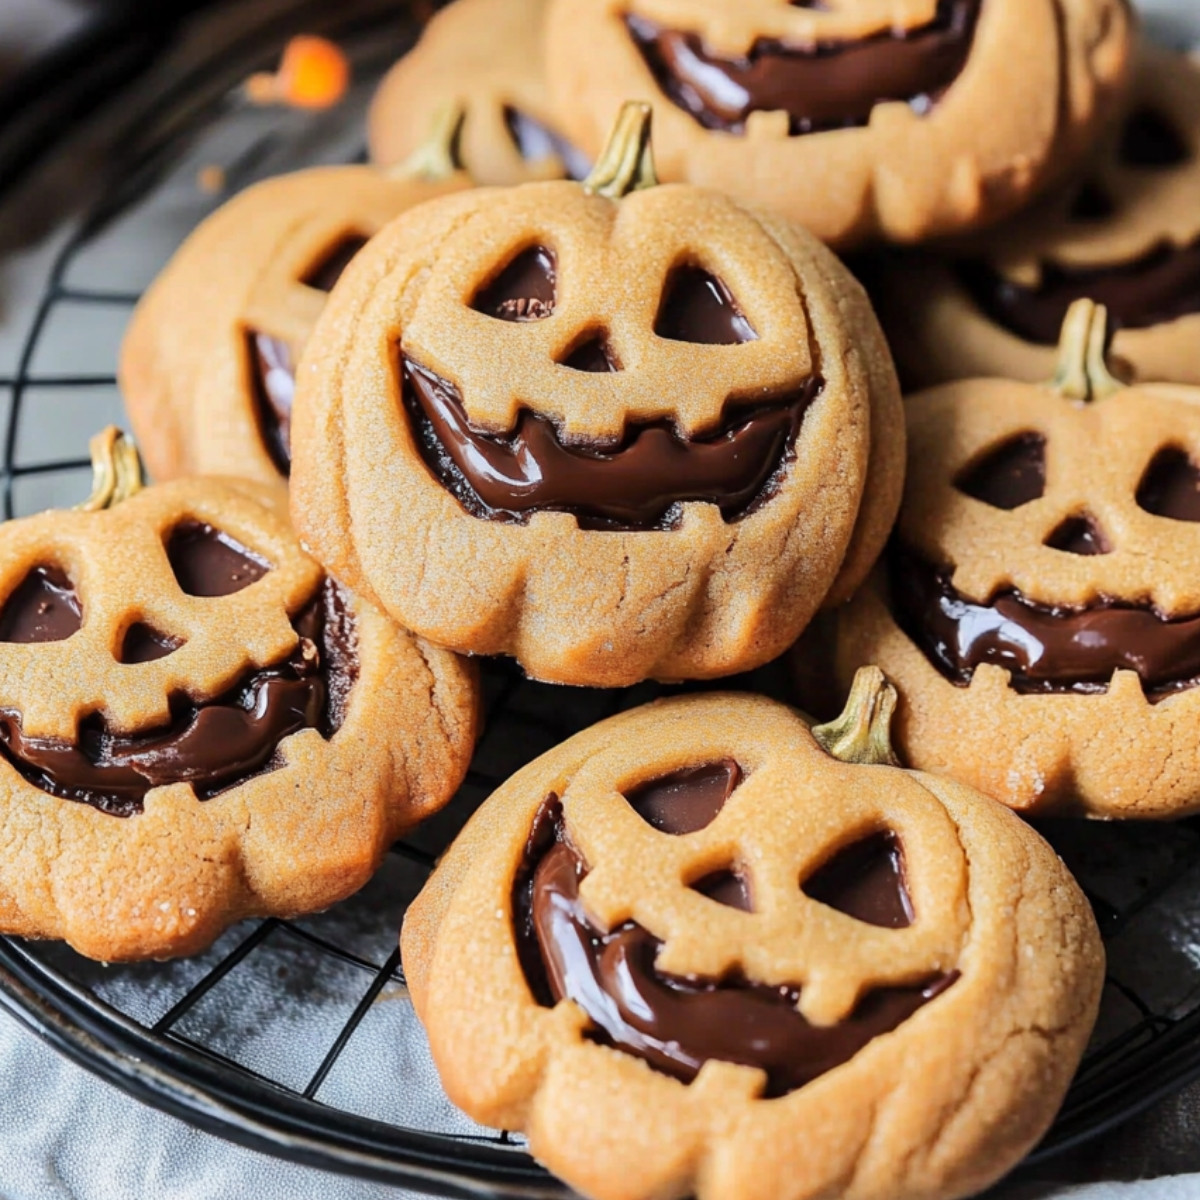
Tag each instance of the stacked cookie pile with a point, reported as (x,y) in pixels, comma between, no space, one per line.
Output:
(536,385)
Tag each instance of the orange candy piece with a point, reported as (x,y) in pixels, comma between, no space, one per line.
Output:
(313,73)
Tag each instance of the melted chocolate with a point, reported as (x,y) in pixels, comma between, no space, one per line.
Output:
(44,608)
(1044,649)
(865,880)
(328,269)
(524,291)
(1163,285)
(213,744)
(686,801)
(1171,486)
(1012,474)
(143,643)
(593,356)
(1152,142)
(1079,535)
(676,1024)
(821,86)
(1092,203)
(634,485)
(728,888)
(697,307)
(535,141)
(273,376)
(208,562)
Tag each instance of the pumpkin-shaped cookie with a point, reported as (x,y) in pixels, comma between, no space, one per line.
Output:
(616,430)
(700,950)
(485,57)
(209,360)
(859,119)
(196,725)
(1126,234)
(1040,609)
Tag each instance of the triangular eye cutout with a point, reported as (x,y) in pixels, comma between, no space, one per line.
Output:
(697,307)
(143,643)
(327,270)
(686,801)
(1171,486)
(1011,474)
(208,562)
(729,888)
(1080,535)
(865,880)
(44,608)
(593,355)
(525,290)
(1092,203)
(1150,140)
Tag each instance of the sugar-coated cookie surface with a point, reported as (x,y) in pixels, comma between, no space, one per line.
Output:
(1039,604)
(196,725)
(1126,234)
(615,430)
(699,949)
(484,56)
(860,119)
(208,363)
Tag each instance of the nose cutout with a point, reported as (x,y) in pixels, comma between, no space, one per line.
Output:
(593,355)
(143,643)
(1080,535)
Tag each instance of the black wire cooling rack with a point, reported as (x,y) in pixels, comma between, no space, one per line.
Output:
(298,1036)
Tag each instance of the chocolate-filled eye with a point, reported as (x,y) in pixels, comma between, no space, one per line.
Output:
(535,141)
(1170,486)
(1150,140)
(593,354)
(1092,203)
(1012,474)
(208,562)
(44,608)
(698,307)
(865,880)
(327,270)
(686,801)
(143,643)
(1080,535)
(525,290)
(730,888)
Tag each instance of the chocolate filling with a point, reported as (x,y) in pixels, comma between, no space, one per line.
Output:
(1044,648)
(535,141)
(832,84)
(1171,486)
(273,379)
(208,562)
(697,307)
(1009,475)
(44,608)
(213,744)
(676,1024)
(525,290)
(635,484)
(865,880)
(686,801)
(273,366)
(1163,285)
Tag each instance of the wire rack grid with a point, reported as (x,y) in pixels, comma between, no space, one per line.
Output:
(298,1036)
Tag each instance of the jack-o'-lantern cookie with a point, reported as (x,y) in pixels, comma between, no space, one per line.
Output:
(485,57)
(615,430)
(196,725)
(209,360)
(861,119)
(1040,609)
(1126,235)
(699,950)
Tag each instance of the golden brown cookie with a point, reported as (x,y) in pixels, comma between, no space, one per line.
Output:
(196,725)
(1039,610)
(1126,234)
(700,950)
(208,363)
(860,119)
(484,56)
(615,430)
